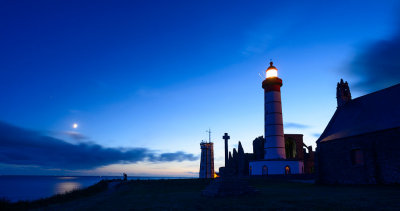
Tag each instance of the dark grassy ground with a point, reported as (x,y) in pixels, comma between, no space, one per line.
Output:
(56,199)
(185,194)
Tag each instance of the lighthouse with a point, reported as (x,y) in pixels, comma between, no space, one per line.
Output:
(275,161)
(207,158)
(274,146)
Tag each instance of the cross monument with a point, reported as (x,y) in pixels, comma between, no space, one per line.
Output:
(226,138)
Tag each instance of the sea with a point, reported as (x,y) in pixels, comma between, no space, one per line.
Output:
(28,188)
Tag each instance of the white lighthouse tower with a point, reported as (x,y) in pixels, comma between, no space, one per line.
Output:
(274,161)
(274,147)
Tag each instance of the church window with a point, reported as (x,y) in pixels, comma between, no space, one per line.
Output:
(287,170)
(264,170)
(357,157)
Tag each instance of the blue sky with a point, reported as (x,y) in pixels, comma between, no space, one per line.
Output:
(157,74)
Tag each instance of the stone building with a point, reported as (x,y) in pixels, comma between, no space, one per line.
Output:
(361,143)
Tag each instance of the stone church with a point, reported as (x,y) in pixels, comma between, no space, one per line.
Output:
(361,143)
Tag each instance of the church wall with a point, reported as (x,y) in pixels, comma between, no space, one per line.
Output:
(388,156)
(379,162)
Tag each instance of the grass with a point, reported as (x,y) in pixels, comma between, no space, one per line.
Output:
(185,194)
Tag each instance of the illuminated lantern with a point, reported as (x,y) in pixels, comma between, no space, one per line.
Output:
(271,71)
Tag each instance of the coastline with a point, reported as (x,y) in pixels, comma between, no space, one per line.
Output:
(185,194)
(33,187)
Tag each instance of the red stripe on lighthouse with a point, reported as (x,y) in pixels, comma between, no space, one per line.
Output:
(276,88)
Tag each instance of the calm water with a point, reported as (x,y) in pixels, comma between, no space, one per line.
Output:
(17,188)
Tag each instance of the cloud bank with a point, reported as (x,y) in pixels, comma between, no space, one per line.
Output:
(378,65)
(295,125)
(19,146)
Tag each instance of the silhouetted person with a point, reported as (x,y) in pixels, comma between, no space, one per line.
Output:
(125,177)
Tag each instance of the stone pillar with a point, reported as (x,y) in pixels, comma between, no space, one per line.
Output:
(226,138)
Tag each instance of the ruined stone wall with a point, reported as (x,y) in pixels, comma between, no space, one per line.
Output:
(298,138)
(258,148)
(309,162)
(381,159)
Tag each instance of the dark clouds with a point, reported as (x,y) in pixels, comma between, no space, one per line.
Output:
(23,147)
(377,65)
(295,125)
(76,136)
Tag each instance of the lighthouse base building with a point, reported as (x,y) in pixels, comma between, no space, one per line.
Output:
(243,164)
(274,167)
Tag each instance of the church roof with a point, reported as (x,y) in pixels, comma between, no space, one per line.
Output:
(369,113)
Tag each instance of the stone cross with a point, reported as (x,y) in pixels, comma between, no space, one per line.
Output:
(226,138)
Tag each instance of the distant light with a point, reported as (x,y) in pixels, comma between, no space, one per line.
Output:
(272,73)
(75,125)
